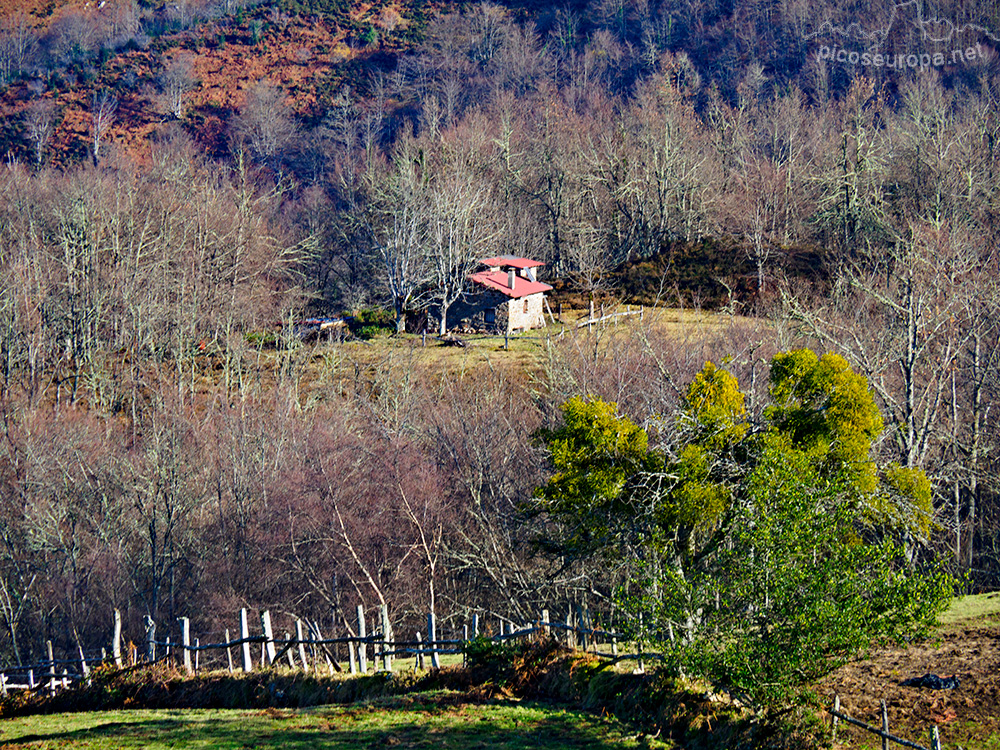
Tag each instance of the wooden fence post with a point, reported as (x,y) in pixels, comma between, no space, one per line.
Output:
(84,669)
(265,623)
(288,650)
(638,643)
(432,640)
(836,719)
(418,662)
(245,661)
(52,668)
(116,640)
(197,653)
(186,643)
(383,613)
(546,628)
(352,657)
(150,639)
(935,738)
(475,626)
(581,620)
(3,684)
(229,651)
(362,646)
(885,727)
(302,646)
(318,650)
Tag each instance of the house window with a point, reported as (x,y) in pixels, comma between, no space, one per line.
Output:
(490,316)
(526,307)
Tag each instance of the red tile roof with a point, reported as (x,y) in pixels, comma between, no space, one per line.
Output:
(512,261)
(497,280)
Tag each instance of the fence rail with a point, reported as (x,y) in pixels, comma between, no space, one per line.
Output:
(887,737)
(306,649)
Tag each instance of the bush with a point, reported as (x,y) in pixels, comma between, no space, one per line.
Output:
(372,322)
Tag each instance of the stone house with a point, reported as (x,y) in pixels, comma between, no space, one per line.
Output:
(506,297)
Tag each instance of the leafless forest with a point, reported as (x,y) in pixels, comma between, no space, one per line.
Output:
(168,451)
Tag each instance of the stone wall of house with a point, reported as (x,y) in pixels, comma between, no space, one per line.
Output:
(488,310)
(527,312)
(481,310)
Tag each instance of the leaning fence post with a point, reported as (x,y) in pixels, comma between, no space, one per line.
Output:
(150,639)
(229,651)
(432,640)
(116,640)
(302,646)
(247,662)
(935,738)
(885,727)
(362,646)
(265,623)
(84,669)
(186,643)
(836,718)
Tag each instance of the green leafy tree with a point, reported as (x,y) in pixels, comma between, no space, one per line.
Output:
(761,556)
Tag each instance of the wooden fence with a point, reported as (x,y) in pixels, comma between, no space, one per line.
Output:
(305,649)
(887,737)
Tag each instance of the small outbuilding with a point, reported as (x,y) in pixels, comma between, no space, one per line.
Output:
(506,296)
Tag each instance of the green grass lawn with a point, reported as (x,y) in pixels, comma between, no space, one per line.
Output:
(982,607)
(438,721)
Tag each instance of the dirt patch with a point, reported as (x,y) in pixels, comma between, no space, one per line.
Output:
(969,715)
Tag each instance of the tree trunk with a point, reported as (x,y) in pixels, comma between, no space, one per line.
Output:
(443,329)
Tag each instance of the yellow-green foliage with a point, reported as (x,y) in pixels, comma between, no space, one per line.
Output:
(913,493)
(697,501)
(595,453)
(715,404)
(828,411)
(720,521)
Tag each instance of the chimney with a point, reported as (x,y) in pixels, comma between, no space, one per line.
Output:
(511,275)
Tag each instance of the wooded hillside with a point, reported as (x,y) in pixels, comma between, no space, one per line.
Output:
(184,181)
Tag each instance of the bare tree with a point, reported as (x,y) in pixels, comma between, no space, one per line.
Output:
(265,123)
(104,105)
(176,82)
(396,225)
(39,122)
(459,232)
(17,42)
